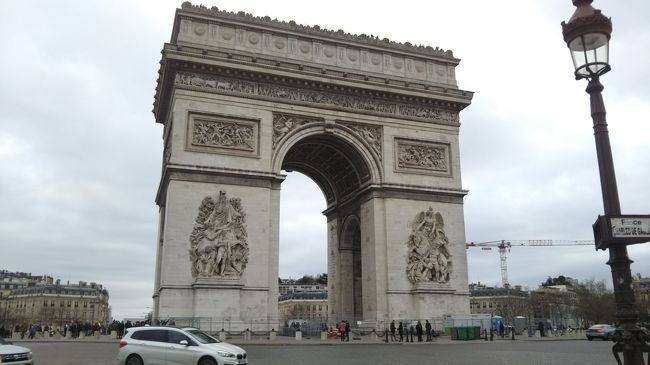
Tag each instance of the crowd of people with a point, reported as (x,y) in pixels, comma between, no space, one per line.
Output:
(404,330)
(71,330)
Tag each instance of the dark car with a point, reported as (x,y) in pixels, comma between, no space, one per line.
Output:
(603,331)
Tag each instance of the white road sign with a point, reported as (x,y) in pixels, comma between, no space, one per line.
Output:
(630,227)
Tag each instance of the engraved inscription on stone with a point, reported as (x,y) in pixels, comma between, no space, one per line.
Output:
(209,133)
(429,259)
(369,133)
(420,156)
(218,242)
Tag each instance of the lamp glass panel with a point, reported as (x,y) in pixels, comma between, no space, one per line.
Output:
(590,53)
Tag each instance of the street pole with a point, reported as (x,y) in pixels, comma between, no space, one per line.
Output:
(630,340)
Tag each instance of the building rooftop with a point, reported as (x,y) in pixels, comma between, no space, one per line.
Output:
(305,295)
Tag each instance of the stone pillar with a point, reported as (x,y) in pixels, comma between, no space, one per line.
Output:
(298,335)
(323,335)
(272,335)
(222,335)
(247,334)
(113,334)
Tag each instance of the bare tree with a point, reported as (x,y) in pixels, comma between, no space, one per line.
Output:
(595,302)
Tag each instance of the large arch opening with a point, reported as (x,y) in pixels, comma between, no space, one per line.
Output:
(341,173)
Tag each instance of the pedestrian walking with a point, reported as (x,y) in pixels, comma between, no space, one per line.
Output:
(400,331)
(341,329)
(419,331)
(427,328)
(347,331)
(392,331)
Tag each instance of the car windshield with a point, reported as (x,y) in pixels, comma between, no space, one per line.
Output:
(202,337)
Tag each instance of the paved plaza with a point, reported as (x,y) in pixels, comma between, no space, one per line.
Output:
(313,352)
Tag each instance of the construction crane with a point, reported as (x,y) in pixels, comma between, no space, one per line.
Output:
(504,246)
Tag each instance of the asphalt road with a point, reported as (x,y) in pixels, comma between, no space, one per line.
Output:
(471,353)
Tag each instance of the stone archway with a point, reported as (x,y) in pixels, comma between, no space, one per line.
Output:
(374,123)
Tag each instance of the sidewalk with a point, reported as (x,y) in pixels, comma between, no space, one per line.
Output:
(290,341)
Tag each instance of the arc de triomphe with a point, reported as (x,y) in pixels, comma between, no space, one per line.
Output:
(374,123)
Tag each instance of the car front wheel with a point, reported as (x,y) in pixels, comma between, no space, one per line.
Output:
(207,361)
(134,360)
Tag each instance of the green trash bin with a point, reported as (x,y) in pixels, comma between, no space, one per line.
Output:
(462,333)
(477,332)
(454,333)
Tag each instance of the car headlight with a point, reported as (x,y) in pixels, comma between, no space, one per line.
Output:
(225,354)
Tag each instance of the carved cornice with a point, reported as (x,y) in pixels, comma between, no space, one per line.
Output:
(318,31)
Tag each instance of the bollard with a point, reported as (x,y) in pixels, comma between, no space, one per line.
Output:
(485,334)
(113,334)
(247,335)
(513,334)
(298,335)
(323,335)
(373,335)
(386,335)
(491,335)
(222,335)
(272,334)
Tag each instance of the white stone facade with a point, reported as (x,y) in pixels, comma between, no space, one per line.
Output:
(241,99)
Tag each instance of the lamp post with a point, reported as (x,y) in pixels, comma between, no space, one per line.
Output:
(587,35)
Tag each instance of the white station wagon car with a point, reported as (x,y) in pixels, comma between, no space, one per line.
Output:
(154,345)
(15,355)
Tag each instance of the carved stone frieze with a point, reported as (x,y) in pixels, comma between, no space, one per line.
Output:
(421,156)
(218,242)
(429,259)
(369,133)
(373,105)
(285,123)
(214,133)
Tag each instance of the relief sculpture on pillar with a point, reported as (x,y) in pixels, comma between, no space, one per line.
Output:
(429,259)
(218,242)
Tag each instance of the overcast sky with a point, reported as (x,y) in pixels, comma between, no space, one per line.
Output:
(80,153)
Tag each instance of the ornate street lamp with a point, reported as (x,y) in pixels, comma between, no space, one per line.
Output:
(587,35)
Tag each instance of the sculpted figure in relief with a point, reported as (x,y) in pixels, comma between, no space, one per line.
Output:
(423,157)
(285,123)
(218,242)
(370,134)
(429,259)
(223,134)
